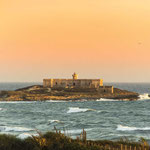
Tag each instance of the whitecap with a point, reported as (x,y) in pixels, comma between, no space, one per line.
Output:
(144,96)
(106,100)
(56,101)
(55,121)
(77,110)
(16,129)
(76,131)
(2,109)
(127,128)
(26,135)
(81,100)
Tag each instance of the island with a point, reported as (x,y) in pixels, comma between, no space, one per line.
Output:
(68,89)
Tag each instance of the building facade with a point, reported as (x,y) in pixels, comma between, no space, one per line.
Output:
(76,83)
(73,83)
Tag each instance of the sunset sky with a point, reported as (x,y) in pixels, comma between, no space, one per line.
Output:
(107,39)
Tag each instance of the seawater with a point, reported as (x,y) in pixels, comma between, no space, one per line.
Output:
(102,119)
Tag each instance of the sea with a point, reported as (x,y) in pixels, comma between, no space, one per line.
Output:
(102,119)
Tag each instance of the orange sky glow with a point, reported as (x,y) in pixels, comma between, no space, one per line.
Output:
(107,39)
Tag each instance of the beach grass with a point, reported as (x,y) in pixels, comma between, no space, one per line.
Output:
(58,141)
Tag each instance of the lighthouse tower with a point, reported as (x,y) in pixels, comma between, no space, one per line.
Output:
(75,76)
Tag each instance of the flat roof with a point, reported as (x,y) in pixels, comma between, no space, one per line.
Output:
(72,79)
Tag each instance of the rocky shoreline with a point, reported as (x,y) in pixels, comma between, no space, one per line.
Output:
(38,93)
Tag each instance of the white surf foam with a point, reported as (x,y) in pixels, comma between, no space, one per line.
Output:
(81,100)
(17,129)
(144,96)
(127,128)
(75,131)
(106,100)
(26,135)
(77,110)
(2,109)
(55,121)
(56,101)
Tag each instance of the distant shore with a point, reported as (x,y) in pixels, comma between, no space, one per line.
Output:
(38,93)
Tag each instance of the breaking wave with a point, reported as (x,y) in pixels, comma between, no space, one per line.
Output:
(106,100)
(127,128)
(15,129)
(2,109)
(56,101)
(26,135)
(76,131)
(144,96)
(81,100)
(55,121)
(77,110)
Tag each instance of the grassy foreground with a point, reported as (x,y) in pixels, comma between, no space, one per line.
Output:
(58,141)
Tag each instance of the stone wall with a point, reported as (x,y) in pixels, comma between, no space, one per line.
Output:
(106,89)
(78,85)
(48,83)
(70,83)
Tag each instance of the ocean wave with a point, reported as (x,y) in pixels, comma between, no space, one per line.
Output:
(77,110)
(106,100)
(54,121)
(56,101)
(26,135)
(76,131)
(144,96)
(15,129)
(2,109)
(127,128)
(80,100)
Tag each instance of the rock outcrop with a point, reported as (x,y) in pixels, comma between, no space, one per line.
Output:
(38,93)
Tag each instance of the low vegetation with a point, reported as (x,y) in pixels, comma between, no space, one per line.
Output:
(59,141)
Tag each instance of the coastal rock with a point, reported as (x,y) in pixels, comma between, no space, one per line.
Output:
(39,93)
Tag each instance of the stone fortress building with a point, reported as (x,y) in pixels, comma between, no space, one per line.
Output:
(76,83)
